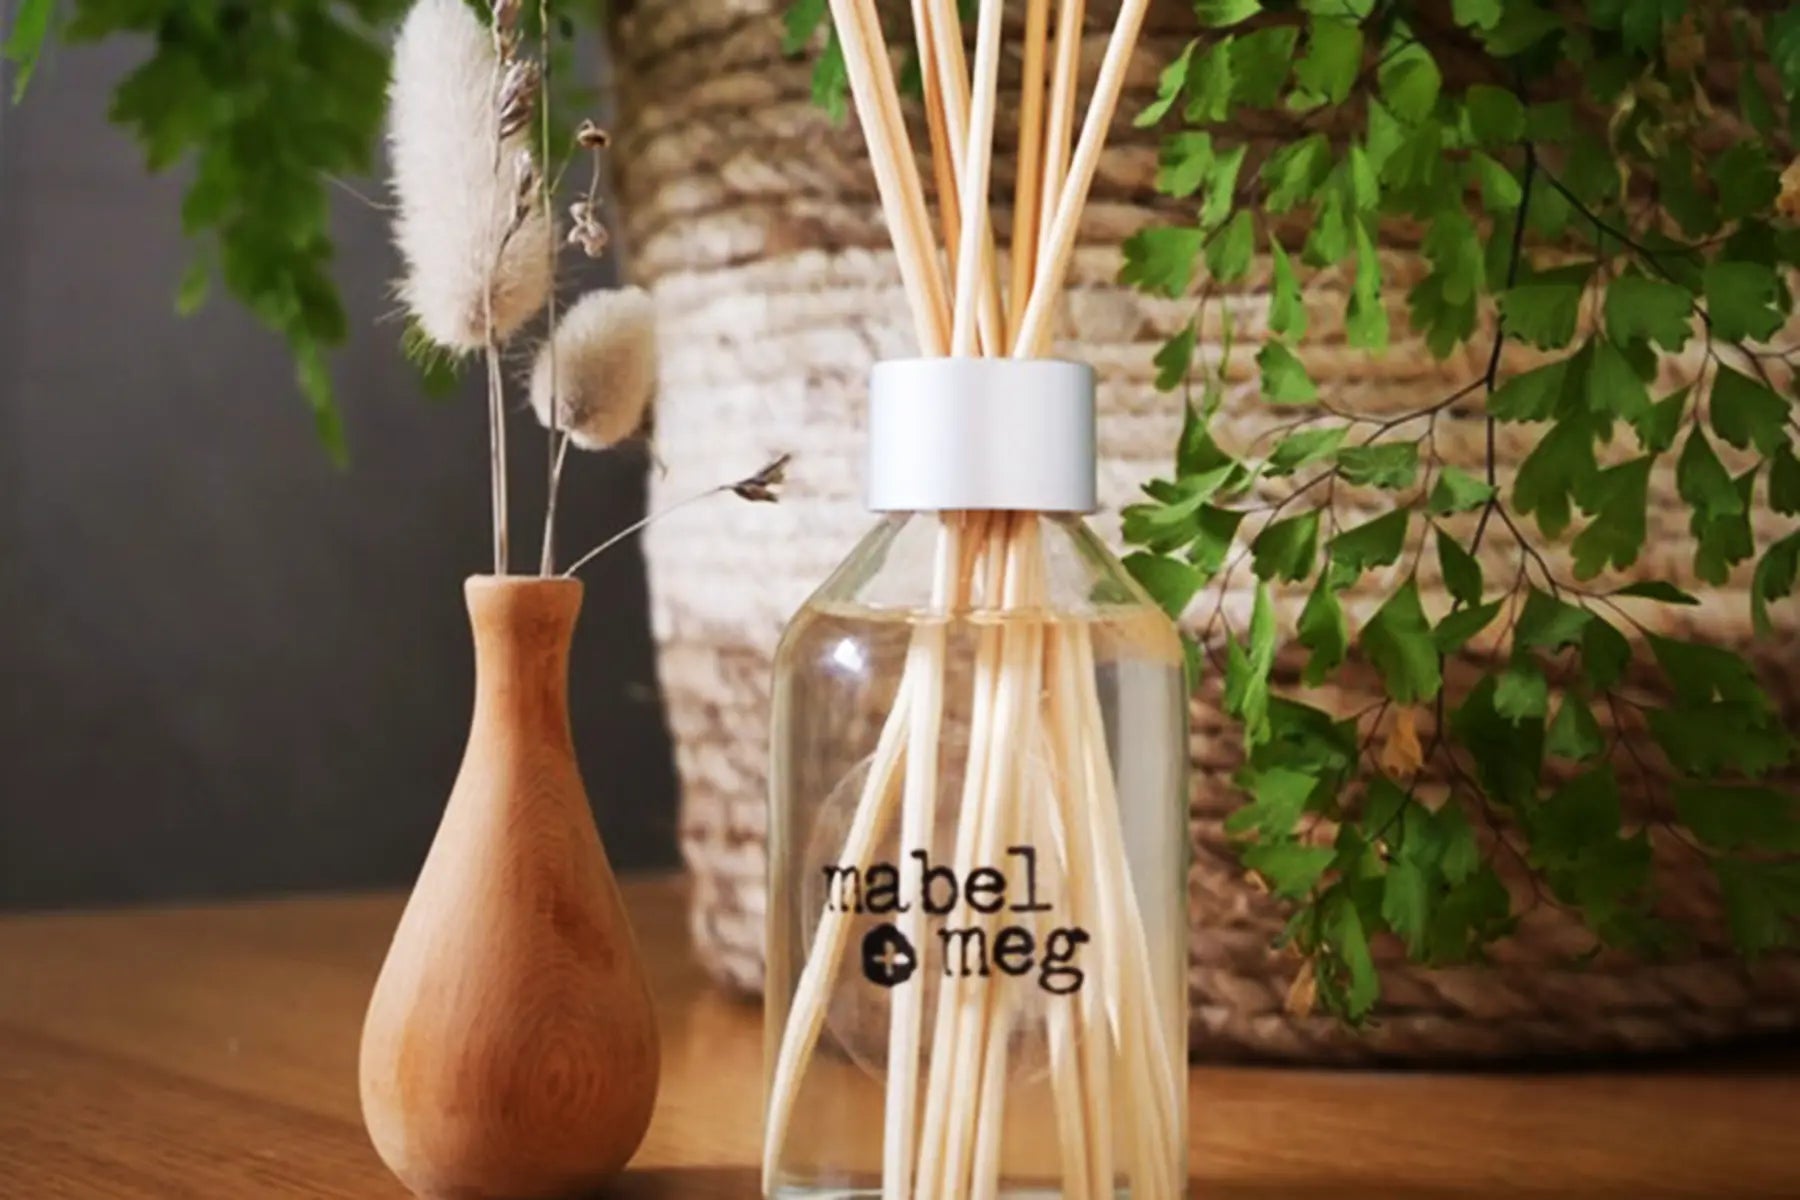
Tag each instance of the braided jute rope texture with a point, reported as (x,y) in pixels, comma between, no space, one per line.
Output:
(754,222)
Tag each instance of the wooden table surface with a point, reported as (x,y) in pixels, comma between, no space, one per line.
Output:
(193,1053)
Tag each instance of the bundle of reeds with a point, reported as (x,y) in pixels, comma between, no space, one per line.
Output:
(1034,696)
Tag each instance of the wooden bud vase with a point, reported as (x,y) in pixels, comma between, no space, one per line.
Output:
(510,1049)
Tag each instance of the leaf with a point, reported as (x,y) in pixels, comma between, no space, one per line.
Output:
(1560,468)
(1284,378)
(1746,180)
(1501,191)
(1397,640)
(1774,581)
(1739,818)
(1721,542)
(1656,589)
(1228,256)
(1169,581)
(1532,395)
(1183,162)
(1700,673)
(1455,630)
(1462,573)
(1616,535)
(1762,902)
(1334,53)
(1290,868)
(1784,482)
(1247,671)
(1614,388)
(1374,543)
(1303,448)
(1278,797)
(1746,413)
(1638,308)
(1702,481)
(1210,83)
(1168,85)
(1344,931)
(801,21)
(1520,27)
(1161,259)
(1744,299)
(1219,13)
(1546,623)
(1496,117)
(1287,308)
(1366,319)
(1406,904)
(1521,692)
(1458,491)
(1259,64)
(1542,311)
(1288,548)
(1478,14)
(1605,654)
(1401,755)
(1294,172)
(1508,755)
(1381,465)
(1409,83)
(1322,630)
(1574,733)
(1174,359)
(30,28)
(1221,185)
(1659,425)
(1721,736)
(1217,528)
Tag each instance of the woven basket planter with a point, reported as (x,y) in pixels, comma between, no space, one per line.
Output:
(755,225)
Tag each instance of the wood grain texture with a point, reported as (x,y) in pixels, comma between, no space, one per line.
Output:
(510,1051)
(210,1054)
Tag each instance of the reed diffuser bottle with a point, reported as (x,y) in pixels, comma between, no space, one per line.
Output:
(978,827)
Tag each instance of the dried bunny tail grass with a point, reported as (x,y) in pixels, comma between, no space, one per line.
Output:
(456,188)
(604,354)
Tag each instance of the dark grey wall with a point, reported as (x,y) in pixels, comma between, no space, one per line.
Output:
(225,667)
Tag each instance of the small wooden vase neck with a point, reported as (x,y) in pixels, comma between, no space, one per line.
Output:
(510,1048)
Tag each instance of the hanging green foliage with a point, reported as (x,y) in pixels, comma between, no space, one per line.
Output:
(1565,193)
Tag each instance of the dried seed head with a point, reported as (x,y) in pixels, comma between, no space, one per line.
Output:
(591,137)
(518,97)
(526,179)
(506,14)
(601,365)
(452,194)
(585,229)
(763,486)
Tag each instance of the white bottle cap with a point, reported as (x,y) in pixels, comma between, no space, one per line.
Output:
(949,434)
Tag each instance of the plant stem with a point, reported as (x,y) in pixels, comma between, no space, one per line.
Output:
(640,523)
(558,444)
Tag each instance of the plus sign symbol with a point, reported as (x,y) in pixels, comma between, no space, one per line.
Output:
(888,959)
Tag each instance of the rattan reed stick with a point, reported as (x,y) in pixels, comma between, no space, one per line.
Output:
(896,174)
(937,130)
(806,1015)
(1030,178)
(945,28)
(1059,117)
(1060,245)
(978,161)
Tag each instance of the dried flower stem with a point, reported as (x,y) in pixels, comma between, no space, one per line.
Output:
(760,487)
(558,441)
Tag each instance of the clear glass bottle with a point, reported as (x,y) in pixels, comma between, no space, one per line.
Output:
(978,855)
